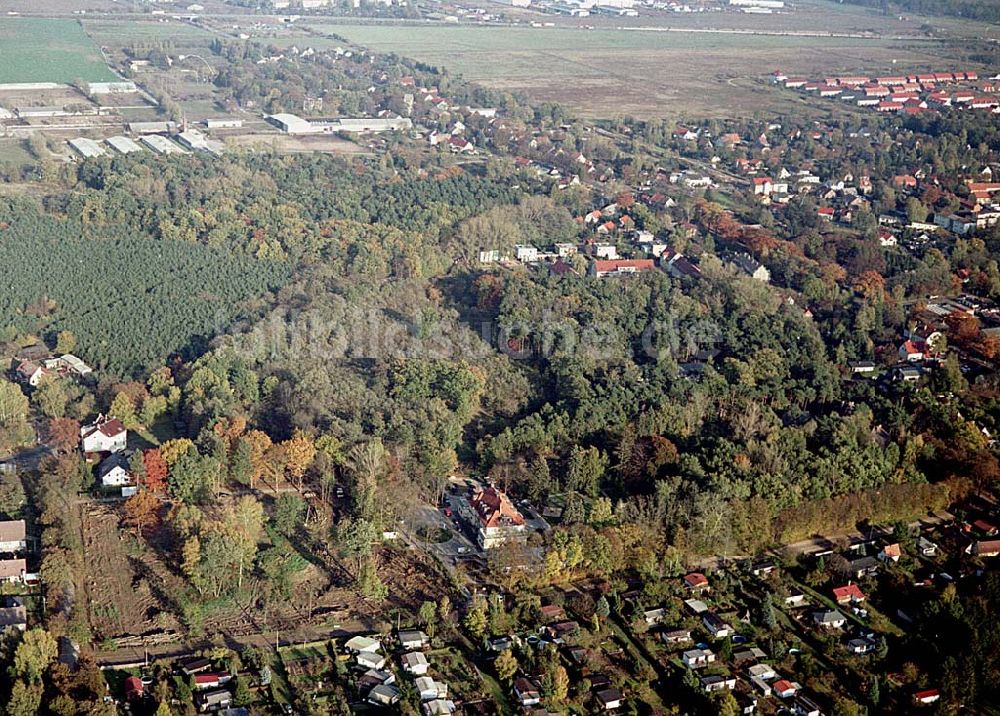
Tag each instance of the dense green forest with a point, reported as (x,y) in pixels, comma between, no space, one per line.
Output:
(131,300)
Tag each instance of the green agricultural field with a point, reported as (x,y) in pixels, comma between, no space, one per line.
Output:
(116,34)
(49,50)
(607,72)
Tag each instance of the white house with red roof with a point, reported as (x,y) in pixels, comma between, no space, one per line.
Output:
(494,517)
(103,435)
(619,267)
(763,185)
(848,594)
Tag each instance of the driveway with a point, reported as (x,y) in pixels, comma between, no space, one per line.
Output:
(429,518)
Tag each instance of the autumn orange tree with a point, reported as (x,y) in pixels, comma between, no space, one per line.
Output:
(141,510)
(299,452)
(156,471)
(64,434)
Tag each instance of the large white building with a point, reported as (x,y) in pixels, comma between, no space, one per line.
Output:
(292,124)
(493,517)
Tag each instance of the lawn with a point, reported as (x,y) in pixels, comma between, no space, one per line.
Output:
(49,50)
(608,72)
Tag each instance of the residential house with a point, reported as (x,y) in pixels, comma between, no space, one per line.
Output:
(211,680)
(860,646)
(214,700)
(912,352)
(30,373)
(715,625)
(428,689)
(606,251)
(926,696)
(678,265)
(373,677)
(803,706)
(697,658)
(415,663)
(438,707)
(980,548)
(14,616)
(891,552)
(862,567)
(677,636)
(609,699)
(620,267)
(763,671)
(795,601)
(560,630)
(785,689)
(461,145)
(750,654)
(829,619)
(13,538)
(696,582)
(717,683)
(848,594)
(862,367)
(103,435)
(750,266)
(762,186)
(13,570)
(113,471)
(528,692)
(653,617)
(551,612)
(411,639)
(926,547)
(369,660)
(383,695)
(359,644)
(195,666)
(133,688)
(526,254)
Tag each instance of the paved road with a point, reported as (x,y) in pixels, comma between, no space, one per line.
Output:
(28,459)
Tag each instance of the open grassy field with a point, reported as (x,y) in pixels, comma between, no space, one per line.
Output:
(612,72)
(671,64)
(48,50)
(118,33)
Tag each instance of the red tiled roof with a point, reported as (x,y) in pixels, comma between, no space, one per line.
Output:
(495,508)
(617,264)
(107,427)
(133,686)
(850,591)
(696,579)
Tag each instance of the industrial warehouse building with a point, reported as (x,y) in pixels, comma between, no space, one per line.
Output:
(123,145)
(86,147)
(291,124)
(111,87)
